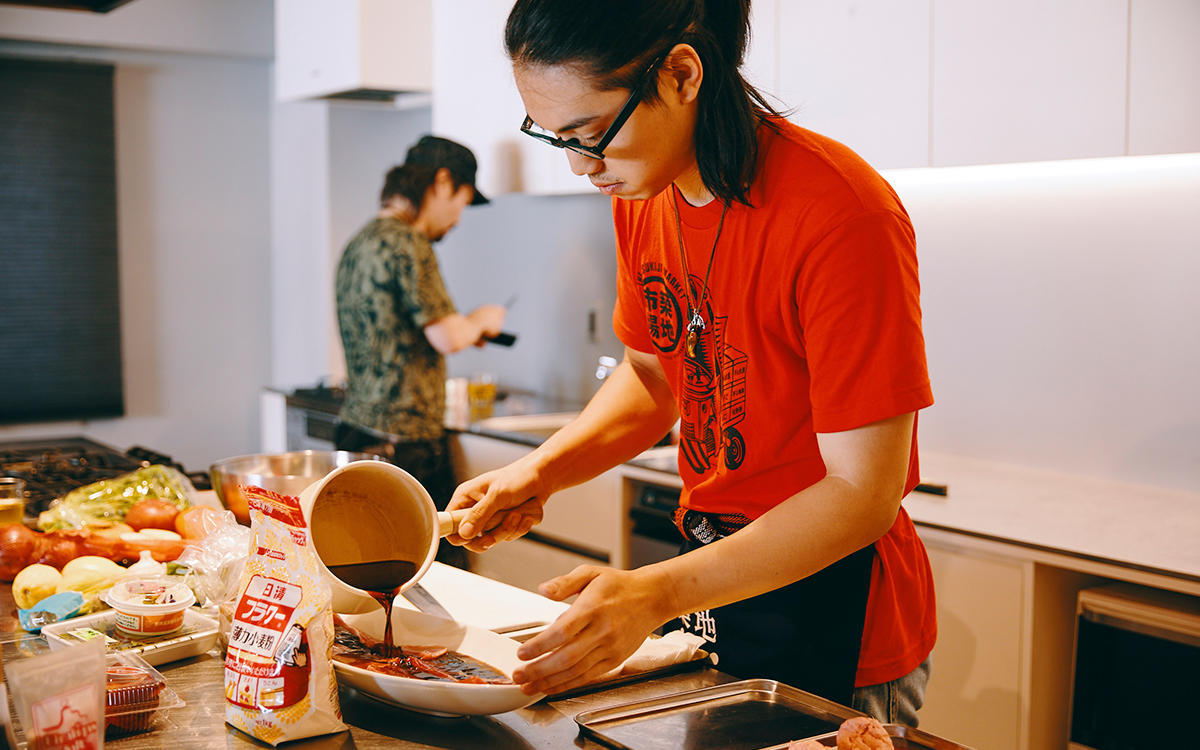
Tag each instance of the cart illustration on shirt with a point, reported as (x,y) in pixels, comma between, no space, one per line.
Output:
(704,434)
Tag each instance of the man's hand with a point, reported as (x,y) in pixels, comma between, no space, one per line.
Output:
(615,611)
(511,492)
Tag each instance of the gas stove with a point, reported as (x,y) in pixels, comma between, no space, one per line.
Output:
(53,467)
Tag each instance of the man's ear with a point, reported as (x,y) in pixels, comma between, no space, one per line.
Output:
(685,72)
(443,183)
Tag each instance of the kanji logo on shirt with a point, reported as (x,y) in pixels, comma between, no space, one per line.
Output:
(664,314)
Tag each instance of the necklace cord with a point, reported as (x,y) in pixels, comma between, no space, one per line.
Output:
(712,255)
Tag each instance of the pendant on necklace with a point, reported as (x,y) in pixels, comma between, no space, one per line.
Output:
(695,325)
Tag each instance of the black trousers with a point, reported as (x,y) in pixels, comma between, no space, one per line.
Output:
(428,462)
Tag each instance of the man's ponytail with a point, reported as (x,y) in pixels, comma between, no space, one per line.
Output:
(408,181)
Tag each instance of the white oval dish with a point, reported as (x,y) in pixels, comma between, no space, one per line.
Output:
(411,628)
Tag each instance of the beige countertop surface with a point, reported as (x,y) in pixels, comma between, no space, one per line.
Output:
(1141,526)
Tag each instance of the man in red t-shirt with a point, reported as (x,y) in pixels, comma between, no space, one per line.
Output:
(768,299)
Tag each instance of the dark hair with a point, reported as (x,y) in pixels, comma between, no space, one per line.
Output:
(409,181)
(613,42)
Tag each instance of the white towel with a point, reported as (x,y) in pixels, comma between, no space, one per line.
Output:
(673,648)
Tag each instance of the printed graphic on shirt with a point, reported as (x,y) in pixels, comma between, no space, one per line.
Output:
(713,401)
(700,623)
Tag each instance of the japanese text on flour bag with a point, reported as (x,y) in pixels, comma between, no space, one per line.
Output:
(279,679)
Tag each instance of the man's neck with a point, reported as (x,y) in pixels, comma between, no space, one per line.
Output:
(691,187)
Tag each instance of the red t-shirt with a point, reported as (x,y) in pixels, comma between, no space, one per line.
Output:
(813,315)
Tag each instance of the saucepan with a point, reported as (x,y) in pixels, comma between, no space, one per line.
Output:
(372,511)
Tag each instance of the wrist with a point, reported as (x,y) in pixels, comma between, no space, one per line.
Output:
(664,595)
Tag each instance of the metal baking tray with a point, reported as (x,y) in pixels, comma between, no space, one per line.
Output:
(744,715)
(198,634)
(903,738)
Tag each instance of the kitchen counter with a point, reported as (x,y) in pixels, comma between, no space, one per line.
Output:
(201,722)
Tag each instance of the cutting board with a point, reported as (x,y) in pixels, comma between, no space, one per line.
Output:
(485,603)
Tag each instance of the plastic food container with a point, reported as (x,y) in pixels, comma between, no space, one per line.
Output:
(136,696)
(149,606)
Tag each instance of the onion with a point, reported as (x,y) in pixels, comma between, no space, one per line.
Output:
(60,548)
(18,545)
(152,513)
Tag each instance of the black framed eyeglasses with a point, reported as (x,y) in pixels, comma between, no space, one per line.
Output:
(529,127)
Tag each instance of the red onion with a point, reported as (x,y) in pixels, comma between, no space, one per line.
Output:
(18,546)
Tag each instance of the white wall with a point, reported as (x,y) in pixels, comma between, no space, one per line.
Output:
(1061,314)
(558,257)
(192,146)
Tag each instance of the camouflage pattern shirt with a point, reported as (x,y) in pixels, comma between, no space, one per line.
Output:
(389,287)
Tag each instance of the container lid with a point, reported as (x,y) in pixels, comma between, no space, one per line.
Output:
(150,596)
(131,682)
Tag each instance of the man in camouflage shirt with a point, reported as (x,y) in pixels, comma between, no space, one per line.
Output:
(397,320)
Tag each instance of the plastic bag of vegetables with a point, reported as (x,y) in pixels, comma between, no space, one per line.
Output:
(106,502)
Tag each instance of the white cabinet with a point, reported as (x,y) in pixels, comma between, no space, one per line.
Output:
(1028,80)
(331,47)
(975,689)
(858,73)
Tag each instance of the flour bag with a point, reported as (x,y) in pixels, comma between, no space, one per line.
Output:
(279,679)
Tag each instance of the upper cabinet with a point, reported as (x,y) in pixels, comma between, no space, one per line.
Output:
(1027,80)
(371,49)
(859,73)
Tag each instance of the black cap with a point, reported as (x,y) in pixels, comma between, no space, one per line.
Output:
(442,152)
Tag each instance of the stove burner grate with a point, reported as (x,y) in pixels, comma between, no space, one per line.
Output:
(52,468)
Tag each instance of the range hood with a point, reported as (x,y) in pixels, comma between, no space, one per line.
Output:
(94,6)
(373,51)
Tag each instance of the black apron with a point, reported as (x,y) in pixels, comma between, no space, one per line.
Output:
(807,634)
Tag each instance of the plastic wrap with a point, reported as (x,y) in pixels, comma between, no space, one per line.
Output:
(105,502)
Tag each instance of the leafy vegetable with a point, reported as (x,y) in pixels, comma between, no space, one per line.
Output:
(105,503)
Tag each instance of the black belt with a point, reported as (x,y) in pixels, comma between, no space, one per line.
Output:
(704,528)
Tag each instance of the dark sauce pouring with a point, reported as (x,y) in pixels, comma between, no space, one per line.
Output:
(382,579)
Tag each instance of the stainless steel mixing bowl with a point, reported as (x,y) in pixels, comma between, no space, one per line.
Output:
(285,473)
